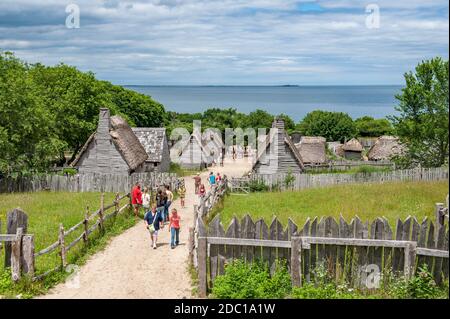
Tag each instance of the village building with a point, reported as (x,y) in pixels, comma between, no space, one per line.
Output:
(384,148)
(353,149)
(312,150)
(336,148)
(154,141)
(278,154)
(296,137)
(112,149)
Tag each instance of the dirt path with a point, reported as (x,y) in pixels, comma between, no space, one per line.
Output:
(129,268)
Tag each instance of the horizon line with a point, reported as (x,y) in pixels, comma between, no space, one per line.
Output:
(258,85)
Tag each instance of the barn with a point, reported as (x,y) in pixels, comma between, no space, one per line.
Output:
(279,154)
(154,141)
(112,149)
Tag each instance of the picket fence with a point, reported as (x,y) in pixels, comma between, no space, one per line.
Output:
(85,182)
(304,181)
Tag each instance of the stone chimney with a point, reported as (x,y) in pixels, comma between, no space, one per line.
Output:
(103,123)
(278,123)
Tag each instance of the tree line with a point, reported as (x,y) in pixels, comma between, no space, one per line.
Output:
(49,111)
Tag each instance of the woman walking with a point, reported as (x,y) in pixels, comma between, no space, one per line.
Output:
(169,196)
(136,198)
(161,202)
(153,222)
(146,200)
(174,229)
(182,193)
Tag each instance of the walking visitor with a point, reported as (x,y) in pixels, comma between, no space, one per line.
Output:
(169,200)
(136,198)
(212,179)
(197,181)
(182,193)
(146,200)
(153,222)
(161,202)
(202,190)
(174,229)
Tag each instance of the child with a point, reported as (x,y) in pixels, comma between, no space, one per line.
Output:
(174,229)
(146,200)
(182,193)
(202,190)
(155,219)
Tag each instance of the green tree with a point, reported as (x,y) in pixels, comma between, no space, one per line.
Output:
(288,122)
(258,119)
(422,123)
(334,126)
(368,126)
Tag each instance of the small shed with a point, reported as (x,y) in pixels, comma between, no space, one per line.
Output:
(278,153)
(111,149)
(353,149)
(312,149)
(154,141)
(384,148)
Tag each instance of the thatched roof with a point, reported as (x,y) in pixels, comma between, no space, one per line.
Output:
(128,144)
(384,148)
(123,137)
(152,139)
(312,149)
(353,146)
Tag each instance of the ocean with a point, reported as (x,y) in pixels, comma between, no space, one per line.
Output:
(295,101)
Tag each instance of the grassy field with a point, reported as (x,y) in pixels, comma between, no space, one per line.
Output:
(368,201)
(46,210)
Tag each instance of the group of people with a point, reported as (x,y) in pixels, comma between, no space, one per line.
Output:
(213,180)
(156,216)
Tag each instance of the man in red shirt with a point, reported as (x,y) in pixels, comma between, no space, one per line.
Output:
(136,198)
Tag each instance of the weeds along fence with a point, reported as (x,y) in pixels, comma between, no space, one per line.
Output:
(346,165)
(278,182)
(85,182)
(19,247)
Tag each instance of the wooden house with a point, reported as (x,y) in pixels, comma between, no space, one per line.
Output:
(189,155)
(384,148)
(154,141)
(278,153)
(111,149)
(312,150)
(353,149)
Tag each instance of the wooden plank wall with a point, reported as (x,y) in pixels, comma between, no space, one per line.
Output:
(347,262)
(85,182)
(304,181)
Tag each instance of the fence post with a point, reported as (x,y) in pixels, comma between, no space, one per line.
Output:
(296,263)
(62,245)
(102,208)
(116,202)
(16,252)
(28,255)
(86,225)
(410,259)
(439,219)
(202,259)
(191,244)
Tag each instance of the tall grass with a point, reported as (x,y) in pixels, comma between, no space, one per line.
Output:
(368,201)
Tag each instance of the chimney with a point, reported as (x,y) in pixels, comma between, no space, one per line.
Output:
(103,124)
(278,123)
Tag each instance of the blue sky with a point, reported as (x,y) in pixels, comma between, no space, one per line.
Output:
(229,42)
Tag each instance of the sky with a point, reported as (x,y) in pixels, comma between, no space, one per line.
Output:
(230,42)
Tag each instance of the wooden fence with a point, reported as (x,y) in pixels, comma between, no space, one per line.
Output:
(85,182)
(303,181)
(23,257)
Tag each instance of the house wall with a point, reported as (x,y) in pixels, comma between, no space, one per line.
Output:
(191,157)
(353,155)
(102,155)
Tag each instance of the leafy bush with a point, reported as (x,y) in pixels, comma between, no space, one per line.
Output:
(257,186)
(252,281)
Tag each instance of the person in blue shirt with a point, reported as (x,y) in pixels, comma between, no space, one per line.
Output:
(153,218)
(212,179)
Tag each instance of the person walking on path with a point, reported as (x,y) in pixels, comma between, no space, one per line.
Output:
(169,200)
(161,202)
(153,222)
(198,181)
(212,179)
(202,190)
(182,193)
(146,200)
(174,229)
(136,198)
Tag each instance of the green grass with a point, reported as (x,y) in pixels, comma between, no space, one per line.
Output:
(183,172)
(355,170)
(46,210)
(368,201)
